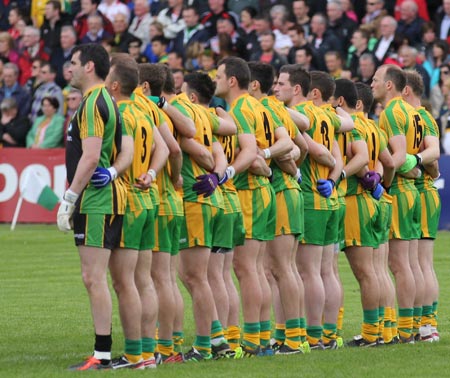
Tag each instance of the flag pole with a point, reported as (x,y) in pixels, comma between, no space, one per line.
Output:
(16,212)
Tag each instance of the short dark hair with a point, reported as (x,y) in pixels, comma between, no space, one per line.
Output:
(324,83)
(250,10)
(52,100)
(125,72)
(51,68)
(161,39)
(365,95)
(55,4)
(415,81)
(154,75)
(308,50)
(238,68)
(263,73)
(97,54)
(297,76)
(396,75)
(191,7)
(298,28)
(346,88)
(364,33)
(202,85)
(169,83)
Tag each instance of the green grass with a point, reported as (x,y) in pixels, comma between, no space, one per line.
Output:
(45,322)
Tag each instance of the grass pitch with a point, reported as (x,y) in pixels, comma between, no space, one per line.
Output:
(45,322)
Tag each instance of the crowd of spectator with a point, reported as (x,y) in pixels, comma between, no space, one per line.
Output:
(348,39)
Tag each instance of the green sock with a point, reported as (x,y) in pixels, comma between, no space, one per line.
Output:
(251,335)
(265,330)
(133,347)
(178,340)
(303,329)
(148,345)
(216,331)
(203,345)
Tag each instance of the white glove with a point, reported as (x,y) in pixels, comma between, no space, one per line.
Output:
(66,209)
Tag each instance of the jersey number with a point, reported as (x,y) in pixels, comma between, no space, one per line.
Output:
(325,136)
(267,130)
(228,148)
(419,131)
(144,145)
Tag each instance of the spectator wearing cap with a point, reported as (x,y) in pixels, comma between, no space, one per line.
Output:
(140,25)
(121,35)
(48,129)
(48,87)
(12,89)
(134,49)
(33,48)
(96,33)
(13,126)
(89,8)
(194,31)
(172,19)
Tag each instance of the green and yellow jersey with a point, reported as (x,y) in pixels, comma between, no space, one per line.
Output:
(97,116)
(321,131)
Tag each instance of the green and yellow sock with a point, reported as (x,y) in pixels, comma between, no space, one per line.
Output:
(178,340)
(387,329)
(405,322)
(264,334)
(303,329)
(251,336)
(165,348)
(370,326)
(217,335)
(417,320)
(435,315)
(148,347)
(233,336)
(380,321)
(280,333)
(133,350)
(427,315)
(313,334)
(394,322)
(293,333)
(329,332)
(203,345)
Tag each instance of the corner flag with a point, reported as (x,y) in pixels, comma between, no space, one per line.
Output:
(35,190)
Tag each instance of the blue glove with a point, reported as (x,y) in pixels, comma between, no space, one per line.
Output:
(206,184)
(370,180)
(103,176)
(377,193)
(325,187)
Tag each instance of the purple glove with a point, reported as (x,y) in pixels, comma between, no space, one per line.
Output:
(378,192)
(325,187)
(370,180)
(206,184)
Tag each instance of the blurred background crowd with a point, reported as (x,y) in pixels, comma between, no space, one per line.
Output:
(348,39)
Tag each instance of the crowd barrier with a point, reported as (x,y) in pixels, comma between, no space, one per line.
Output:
(14,163)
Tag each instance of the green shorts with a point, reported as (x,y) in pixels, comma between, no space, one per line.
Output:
(259,211)
(167,234)
(406,215)
(383,220)
(228,231)
(97,230)
(138,231)
(431,206)
(321,227)
(197,225)
(289,219)
(360,217)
